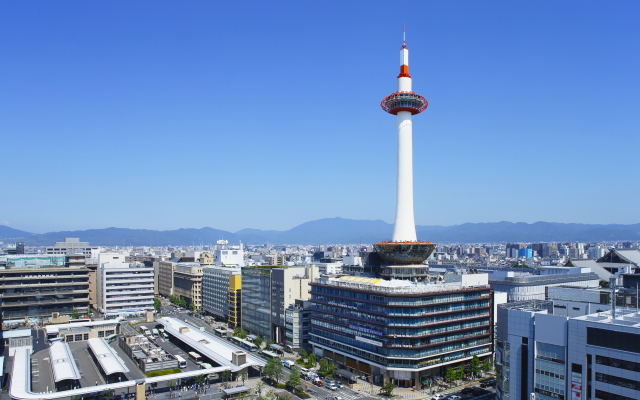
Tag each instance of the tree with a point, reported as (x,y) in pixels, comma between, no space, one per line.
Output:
(89,312)
(75,314)
(459,373)
(312,360)
(284,396)
(269,343)
(294,381)
(449,375)
(303,354)
(192,307)
(226,376)
(244,376)
(157,304)
(171,383)
(475,365)
(273,369)
(200,379)
(258,341)
(486,365)
(387,388)
(271,395)
(259,388)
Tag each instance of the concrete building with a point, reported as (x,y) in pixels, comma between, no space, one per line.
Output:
(298,325)
(267,292)
(187,282)
(230,256)
(72,246)
(616,258)
(547,357)
(522,286)
(124,289)
(235,301)
(36,286)
(215,290)
(165,271)
(399,330)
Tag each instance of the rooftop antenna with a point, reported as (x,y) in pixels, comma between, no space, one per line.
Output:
(404,34)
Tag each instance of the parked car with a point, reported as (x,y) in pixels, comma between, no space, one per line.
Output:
(467,390)
(487,383)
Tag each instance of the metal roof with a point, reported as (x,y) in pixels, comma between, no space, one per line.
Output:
(62,363)
(55,329)
(15,333)
(239,389)
(106,356)
(213,347)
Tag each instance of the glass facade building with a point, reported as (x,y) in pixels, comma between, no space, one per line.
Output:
(405,333)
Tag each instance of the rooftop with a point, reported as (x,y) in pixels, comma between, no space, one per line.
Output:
(393,286)
(625,316)
(109,360)
(62,363)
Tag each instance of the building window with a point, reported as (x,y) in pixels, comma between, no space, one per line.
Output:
(613,339)
(86,336)
(100,333)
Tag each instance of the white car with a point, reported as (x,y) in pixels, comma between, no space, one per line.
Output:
(332,387)
(455,397)
(438,397)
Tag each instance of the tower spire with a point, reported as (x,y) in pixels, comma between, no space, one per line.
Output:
(404,35)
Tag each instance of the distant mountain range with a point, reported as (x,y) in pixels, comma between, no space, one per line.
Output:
(339,230)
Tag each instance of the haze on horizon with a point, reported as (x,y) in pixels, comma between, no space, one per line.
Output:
(160,115)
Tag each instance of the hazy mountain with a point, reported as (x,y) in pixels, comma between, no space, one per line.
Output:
(10,233)
(340,230)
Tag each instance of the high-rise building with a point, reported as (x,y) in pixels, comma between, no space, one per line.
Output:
(215,290)
(187,282)
(267,291)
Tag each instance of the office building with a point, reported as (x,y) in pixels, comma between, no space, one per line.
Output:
(72,246)
(187,283)
(544,356)
(165,271)
(521,286)
(215,290)
(298,325)
(235,301)
(36,286)
(398,330)
(267,291)
(124,289)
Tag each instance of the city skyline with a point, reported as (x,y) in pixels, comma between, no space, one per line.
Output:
(161,116)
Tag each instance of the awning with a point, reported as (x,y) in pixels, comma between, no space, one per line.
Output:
(347,374)
(276,347)
(235,390)
(252,337)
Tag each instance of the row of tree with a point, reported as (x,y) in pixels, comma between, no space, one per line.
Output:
(182,302)
(474,368)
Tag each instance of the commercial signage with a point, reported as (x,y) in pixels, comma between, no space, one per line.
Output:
(550,394)
(373,342)
(366,330)
(576,386)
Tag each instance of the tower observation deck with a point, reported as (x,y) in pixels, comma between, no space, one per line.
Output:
(404,247)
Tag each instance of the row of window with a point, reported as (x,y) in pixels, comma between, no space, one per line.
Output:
(618,381)
(617,363)
(602,395)
(409,301)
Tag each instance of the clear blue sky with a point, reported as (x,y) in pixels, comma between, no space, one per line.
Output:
(265,114)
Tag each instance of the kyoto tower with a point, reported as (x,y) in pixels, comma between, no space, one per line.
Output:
(404,247)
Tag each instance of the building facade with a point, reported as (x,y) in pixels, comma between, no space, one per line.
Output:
(266,292)
(401,331)
(187,283)
(215,290)
(124,289)
(553,357)
(298,325)
(36,286)
(73,246)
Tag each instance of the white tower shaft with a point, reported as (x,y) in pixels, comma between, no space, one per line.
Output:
(405,227)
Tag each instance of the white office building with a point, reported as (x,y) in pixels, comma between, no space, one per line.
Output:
(124,289)
(553,357)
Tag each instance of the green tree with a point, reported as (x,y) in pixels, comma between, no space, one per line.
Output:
(89,312)
(294,381)
(244,376)
(258,341)
(75,314)
(269,343)
(271,395)
(312,360)
(192,307)
(387,388)
(226,376)
(449,374)
(200,379)
(486,365)
(259,388)
(459,373)
(157,304)
(303,354)
(324,365)
(475,365)
(273,369)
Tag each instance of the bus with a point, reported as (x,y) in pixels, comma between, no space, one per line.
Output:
(197,358)
(182,363)
(245,344)
(145,331)
(155,332)
(269,354)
